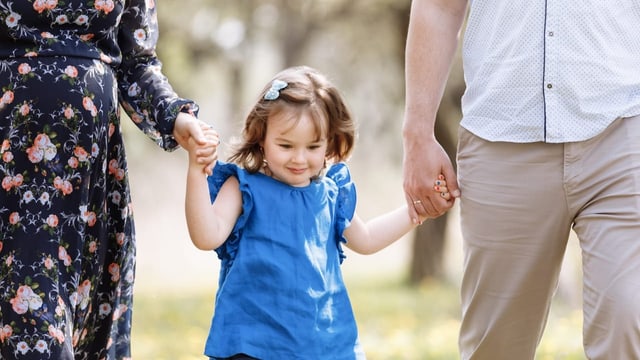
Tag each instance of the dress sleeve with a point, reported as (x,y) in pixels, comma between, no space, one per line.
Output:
(345,204)
(144,92)
(221,172)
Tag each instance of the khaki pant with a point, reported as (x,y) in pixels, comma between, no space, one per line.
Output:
(518,204)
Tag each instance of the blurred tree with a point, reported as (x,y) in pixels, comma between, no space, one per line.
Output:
(355,42)
(430,237)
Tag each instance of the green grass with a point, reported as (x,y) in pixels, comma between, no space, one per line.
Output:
(395,321)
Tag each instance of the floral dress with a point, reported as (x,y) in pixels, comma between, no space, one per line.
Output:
(67,246)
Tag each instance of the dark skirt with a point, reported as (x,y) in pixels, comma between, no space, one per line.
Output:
(67,246)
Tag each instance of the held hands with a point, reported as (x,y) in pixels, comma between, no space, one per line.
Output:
(199,139)
(196,158)
(425,168)
(440,187)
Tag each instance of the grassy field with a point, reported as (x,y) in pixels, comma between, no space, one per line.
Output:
(396,322)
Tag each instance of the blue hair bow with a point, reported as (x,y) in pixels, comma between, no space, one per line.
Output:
(274,91)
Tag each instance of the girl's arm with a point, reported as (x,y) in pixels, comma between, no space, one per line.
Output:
(379,232)
(382,231)
(209,223)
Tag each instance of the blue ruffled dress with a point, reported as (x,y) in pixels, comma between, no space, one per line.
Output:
(281,294)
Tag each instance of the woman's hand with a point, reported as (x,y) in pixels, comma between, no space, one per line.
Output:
(199,138)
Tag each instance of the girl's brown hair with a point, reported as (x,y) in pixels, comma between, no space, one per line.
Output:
(307,90)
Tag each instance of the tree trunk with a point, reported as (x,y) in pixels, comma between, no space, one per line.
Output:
(428,250)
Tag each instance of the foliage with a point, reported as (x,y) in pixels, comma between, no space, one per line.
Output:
(221,53)
(395,321)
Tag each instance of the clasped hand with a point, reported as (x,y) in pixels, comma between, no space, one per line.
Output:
(200,139)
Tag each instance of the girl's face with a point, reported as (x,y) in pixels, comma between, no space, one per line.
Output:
(293,153)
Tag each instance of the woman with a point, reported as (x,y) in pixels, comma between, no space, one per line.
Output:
(67,245)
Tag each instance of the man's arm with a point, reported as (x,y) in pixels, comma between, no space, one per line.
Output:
(433,35)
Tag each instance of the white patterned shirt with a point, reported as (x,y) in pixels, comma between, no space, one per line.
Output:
(553,71)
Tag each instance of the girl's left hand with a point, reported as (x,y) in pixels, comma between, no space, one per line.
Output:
(439,186)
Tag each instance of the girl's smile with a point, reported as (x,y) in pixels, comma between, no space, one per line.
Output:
(297,171)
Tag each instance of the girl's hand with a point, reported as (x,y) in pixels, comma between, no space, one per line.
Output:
(203,155)
(423,162)
(439,186)
(198,138)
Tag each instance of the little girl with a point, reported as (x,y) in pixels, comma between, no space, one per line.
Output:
(278,215)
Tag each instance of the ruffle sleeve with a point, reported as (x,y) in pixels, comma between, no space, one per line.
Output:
(221,172)
(345,202)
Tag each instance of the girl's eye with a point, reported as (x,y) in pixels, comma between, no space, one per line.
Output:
(285,146)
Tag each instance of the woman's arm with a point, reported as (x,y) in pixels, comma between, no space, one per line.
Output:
(143,90)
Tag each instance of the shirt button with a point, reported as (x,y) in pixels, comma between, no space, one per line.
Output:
(549,86)
(550,33)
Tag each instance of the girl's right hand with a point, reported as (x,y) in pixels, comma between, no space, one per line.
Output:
(204,156)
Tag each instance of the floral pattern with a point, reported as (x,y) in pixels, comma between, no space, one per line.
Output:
(67,244)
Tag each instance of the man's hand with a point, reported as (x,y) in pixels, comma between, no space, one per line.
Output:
(429,180)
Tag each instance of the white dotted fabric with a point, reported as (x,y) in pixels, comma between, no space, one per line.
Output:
(553,71)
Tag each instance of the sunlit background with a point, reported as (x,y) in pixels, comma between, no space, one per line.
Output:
(221,53)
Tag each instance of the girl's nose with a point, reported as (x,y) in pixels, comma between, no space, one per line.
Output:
(299,155)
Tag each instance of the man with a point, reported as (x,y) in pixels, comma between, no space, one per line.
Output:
(549,140)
